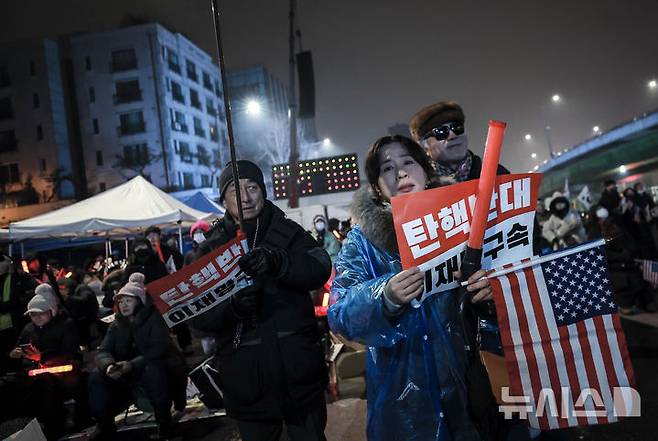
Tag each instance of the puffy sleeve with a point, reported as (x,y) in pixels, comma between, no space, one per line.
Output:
(357,311)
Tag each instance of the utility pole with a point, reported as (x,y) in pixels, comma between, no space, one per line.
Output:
(547,130)
(293,190)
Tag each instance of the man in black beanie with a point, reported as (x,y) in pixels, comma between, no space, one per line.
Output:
(439,128)
(269,358)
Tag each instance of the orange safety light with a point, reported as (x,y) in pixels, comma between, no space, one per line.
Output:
(50,370)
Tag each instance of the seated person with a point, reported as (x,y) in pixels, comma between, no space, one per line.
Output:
(49,340)
(82,306)
(137,352)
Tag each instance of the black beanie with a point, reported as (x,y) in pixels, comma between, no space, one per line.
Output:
(246,170)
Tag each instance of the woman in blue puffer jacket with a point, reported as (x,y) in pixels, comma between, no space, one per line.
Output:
(415,363)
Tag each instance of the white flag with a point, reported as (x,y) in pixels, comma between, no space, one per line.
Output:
(566,192)
(585,198)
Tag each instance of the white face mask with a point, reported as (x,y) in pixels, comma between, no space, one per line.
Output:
(602,213)
(319,226)
(198,237)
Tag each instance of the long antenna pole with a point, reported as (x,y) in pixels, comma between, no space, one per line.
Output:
(293,194)
(227,109)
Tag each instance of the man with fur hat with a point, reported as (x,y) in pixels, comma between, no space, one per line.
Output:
(137,351)
(269,358)
(50,339)
(439,128)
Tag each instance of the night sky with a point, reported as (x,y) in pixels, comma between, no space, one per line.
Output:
(378,61)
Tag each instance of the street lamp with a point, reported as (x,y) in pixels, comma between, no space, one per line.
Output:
(533,156)
(528,137)
(253,108)
(596,129)
(652,84)
(556,98)
(326,142)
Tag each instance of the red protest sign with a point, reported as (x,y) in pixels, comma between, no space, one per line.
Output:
(198,287)
(432,227)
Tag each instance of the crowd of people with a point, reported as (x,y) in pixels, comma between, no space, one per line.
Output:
(627,220)
(265,339)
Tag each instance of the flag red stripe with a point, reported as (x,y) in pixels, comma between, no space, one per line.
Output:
(549,354)
(621,341)
(533,366)
(601,336)
(571,370)
(588,359)
(506,338)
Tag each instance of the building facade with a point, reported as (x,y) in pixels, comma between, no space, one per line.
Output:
(36,150)
(150,102)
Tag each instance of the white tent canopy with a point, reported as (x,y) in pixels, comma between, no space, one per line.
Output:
(128,208)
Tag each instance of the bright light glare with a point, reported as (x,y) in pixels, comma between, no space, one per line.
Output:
(326,142)
(596,129)
(533,156)
(253,108)
(536,167)
(653,84)
(556,98)
(528,137)
(622,169)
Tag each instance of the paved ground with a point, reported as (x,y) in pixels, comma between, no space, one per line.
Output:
(346,418)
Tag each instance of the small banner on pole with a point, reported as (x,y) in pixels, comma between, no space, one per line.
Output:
(204,284)
(432,227)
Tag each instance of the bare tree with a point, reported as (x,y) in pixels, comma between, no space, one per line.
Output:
(212,162)
(56,179)
(136,161)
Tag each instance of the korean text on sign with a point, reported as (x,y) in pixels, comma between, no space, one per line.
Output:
(202,285)
(432,227)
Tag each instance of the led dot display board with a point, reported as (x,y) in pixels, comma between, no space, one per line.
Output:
(333,174)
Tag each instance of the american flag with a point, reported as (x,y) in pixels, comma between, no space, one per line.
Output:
(560,330)
(650,272)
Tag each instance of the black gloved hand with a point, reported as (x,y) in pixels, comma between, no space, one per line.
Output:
(247,301)
(263,261)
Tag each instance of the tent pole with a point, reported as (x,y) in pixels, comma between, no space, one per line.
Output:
(126,248)
(180,238)
(22,250)
(11,249)
(109,243)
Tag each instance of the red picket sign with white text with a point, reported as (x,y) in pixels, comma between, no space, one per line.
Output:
(432,227)
(204,284)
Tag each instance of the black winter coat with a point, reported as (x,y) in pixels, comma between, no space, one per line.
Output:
(144,340)
(279,361)
(57,340)
(21,291)
(476,168)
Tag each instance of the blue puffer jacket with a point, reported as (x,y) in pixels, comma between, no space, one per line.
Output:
(415,363)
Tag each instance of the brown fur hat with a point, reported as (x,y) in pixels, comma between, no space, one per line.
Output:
(433,116)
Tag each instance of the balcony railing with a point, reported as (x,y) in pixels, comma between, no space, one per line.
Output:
(130,129)
(127,97)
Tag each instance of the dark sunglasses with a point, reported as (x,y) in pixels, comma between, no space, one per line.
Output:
(442,133)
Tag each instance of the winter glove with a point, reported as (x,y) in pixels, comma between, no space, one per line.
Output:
(246,301)
(263,261)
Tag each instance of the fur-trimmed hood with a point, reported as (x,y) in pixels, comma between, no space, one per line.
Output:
(376,218)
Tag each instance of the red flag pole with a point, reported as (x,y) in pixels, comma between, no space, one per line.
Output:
(492,148)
